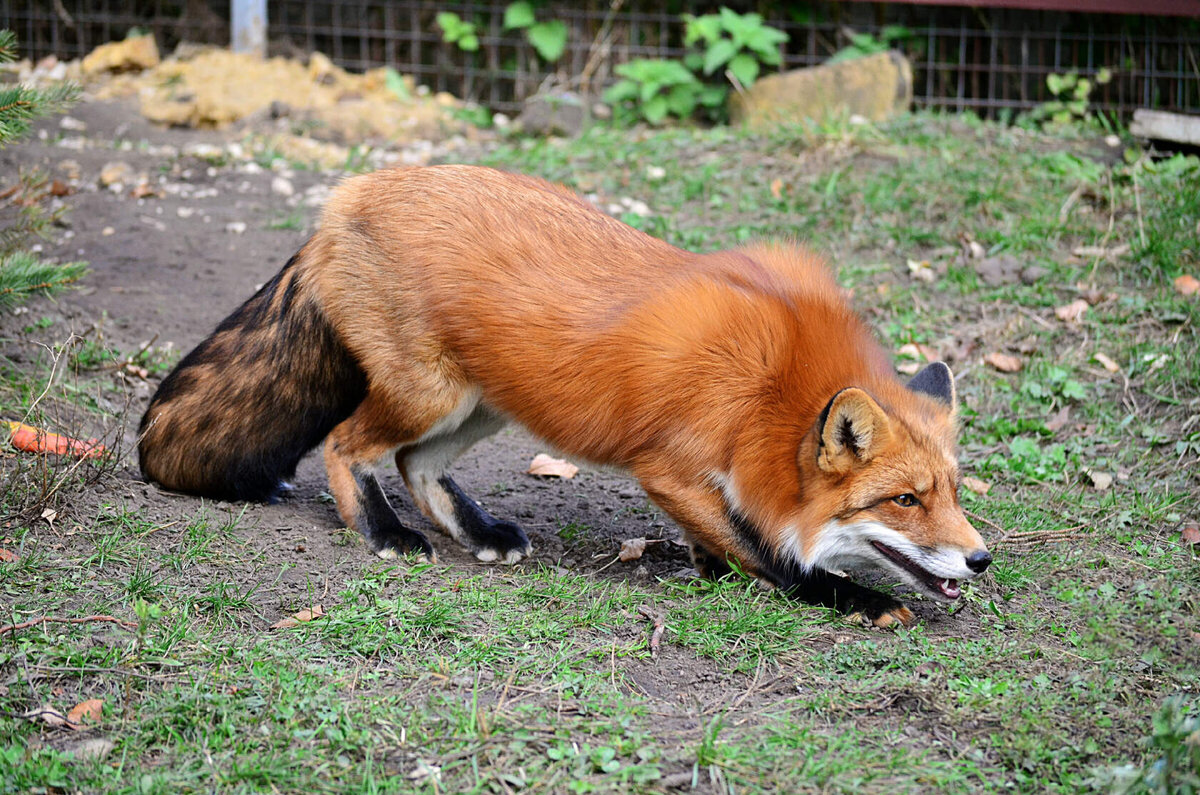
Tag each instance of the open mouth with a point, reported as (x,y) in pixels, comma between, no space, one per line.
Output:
(940,587)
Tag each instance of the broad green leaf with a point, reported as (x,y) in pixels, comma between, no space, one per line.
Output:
(718,55)
(549,39)
(469,42)
(681,100)
(655,110)
(745,69)
(394,82)
(518,15)
(1056,83)
(620,91)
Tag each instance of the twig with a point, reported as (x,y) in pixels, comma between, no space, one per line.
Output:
(987,522)
(601,45)
(1137,202)
(656,635)
(48,619)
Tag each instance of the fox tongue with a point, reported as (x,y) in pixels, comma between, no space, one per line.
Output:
(949,588)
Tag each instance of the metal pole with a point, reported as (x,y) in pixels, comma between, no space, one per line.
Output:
(249,26)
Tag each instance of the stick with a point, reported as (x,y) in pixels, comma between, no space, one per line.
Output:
(656,635)
(48,619)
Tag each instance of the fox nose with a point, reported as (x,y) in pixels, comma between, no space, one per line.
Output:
(979,560)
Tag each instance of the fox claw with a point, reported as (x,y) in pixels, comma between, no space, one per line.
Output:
(892,618)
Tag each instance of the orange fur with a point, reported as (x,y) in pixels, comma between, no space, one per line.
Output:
(459,289)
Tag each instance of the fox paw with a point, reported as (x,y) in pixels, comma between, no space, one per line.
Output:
(888,618)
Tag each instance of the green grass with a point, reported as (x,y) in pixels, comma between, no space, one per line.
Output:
(1050,674)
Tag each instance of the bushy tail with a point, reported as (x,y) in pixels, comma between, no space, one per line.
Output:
(234,418)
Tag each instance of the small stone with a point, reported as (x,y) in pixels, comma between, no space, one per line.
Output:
(282,186)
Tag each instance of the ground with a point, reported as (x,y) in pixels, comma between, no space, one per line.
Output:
(959,240)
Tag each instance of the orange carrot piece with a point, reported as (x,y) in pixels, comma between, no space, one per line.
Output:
(34,440)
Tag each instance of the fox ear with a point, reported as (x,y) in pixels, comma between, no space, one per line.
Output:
(936,381)
(852,430)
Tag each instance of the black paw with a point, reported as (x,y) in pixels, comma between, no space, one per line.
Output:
(499,541)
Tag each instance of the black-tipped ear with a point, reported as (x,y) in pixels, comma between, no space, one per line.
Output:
(852,430)
(937,382)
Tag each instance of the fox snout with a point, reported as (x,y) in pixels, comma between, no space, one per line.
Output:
(979,560)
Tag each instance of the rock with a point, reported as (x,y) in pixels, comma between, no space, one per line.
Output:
(118,172)
(554,113)
(1034,274)
(875,87)
(999,270)
(131,55)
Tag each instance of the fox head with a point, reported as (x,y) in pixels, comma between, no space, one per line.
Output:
(873,484)
(890,495)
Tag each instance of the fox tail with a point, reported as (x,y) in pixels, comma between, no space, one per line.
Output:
(233,419)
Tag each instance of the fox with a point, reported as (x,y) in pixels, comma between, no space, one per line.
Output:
(436,304)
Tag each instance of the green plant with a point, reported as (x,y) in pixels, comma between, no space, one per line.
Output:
(740,43)
(863,44)
(548,38)
(1071,93)
(1174,766)
(22,274)
(456,30)
(652,89)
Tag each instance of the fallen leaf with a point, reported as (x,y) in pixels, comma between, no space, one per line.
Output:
(49,514)
(1072,312)
(60,188)
(908,368)
(915,350)
(1101,481)
(921,270)
(1101,251)
(305,615)
(976,485)
(1191,535)
(1005,363)
(48,715)
(1187,284)
(90,711)
(1107,363)
(1059,419)
(631,549)
(545,466)
(8,557)
(144,190)
(777,188)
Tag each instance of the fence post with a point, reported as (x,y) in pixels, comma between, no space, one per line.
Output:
(249,22)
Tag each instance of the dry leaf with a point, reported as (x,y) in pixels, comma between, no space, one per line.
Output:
(546,466)
(305,615)
(1059,419)
(1107,363)
(1101,251)
(48,715)
(1005,363)
(976,485)
(777,188)
(144,191)
(908,368)
(7,556)
(1191,535)
(1187,284)
(631,549)
(921,270)
(1101,481)
(1072,312)
(89,711)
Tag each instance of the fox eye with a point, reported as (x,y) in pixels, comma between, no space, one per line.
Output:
(906,501)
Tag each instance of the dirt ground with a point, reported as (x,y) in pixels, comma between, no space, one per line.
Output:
(165,269)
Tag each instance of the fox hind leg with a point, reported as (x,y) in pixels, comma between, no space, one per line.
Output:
(423,467)
(351,451)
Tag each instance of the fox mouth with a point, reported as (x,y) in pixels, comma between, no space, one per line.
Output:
(943,588)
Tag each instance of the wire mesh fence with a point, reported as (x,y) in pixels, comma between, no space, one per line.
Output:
(992,61)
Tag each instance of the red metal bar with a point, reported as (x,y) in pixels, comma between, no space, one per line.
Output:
(1164,8)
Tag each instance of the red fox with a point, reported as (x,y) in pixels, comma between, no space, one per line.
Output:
(436,304)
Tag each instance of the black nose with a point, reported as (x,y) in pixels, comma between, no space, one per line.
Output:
(979,561)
